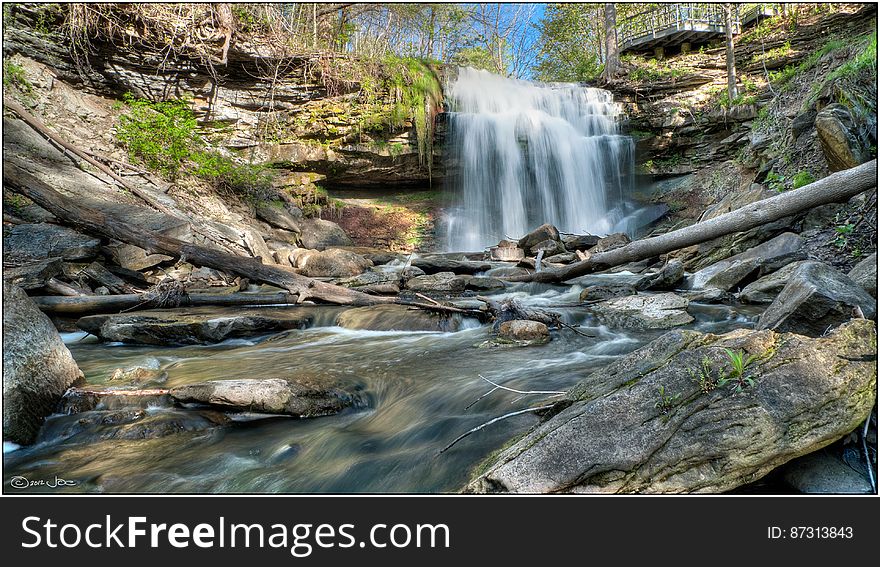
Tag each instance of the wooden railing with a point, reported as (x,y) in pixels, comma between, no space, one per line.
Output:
(678,15)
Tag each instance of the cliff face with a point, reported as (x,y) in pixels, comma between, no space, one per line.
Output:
(299,113)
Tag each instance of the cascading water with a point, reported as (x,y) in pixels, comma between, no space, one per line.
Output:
(530,153)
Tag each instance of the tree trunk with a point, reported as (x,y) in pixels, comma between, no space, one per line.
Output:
(837,187)
(109,226)
(732,92)
(92,304)
(612,57)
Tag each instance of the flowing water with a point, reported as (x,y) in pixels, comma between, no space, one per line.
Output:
(414,386)
(529,153)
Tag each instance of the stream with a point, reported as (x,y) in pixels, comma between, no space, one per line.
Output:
(414,386)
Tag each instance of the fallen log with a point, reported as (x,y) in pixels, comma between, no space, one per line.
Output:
(94,304)
(837,187)
(109,226)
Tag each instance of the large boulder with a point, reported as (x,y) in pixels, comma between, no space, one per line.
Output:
(661,311)
(541,234)
(395,318)
(524,332)
(644,424)
(839,136)
(766,288)
(333,263)
(665,278)
(816,298)
(757,261)
(192,326)
(865,274)
(507,251)
(601,292)
(37,367)
(442,282)
(301,398)
(280,216)
(574,242)
(320,234)
(29,243)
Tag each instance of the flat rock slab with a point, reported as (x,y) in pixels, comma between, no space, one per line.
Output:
(821,473)
(192,325)
(435,264)
(280,396)
(442,282)
(661,311)
(613,434)
(765,289)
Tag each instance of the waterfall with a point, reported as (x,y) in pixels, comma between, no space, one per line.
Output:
(530,153)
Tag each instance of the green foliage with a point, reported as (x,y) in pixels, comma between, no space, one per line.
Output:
(864,62)
(703,377)
(571,39)
(161,135)
(666,401)
(843,231)
(742,99)
(14,75)
(776,53)
(648,70)
(737,376)
(802,178)
(775,182)
(783,76)
(477,57)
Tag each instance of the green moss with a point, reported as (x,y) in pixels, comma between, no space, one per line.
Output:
(14,75)
(802,178)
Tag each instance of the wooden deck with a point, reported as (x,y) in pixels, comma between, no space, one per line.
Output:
(675,24)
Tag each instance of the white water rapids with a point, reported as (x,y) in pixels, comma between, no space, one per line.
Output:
(530,153)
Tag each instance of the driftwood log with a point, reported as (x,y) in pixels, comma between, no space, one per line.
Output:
(109,226)
(837,187)
(86,305)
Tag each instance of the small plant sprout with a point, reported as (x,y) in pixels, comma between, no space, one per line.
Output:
(666,401)
(704,378)
(737,376)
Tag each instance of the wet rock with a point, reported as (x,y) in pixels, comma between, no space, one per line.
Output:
(765,289)
(507,251)
(435,264)
(865,274)
(301,398)
(565,258)
(33,275)
(574,242)
(381,258)
(333,263)
(320,234)
(91,398)
(525,332)
(708,295)
(507,272)
(821,473)
(816,298)
(395,318)
(37,367)
(661,311)
(541,234)
(381,289)
(548,247)
(666,278)
(442,282)
(757,261)
(371,277)
(483,283)
(610,242)
(191,326)
(128,424)
(614,434)
(279,216)
(29,243)
(149,373)
(607,291)
(839,137)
